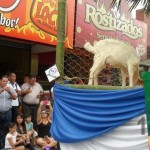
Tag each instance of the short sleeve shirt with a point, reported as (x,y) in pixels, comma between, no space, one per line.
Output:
(31,98)
(29,126)
(15,86)
(5,100)
(14,136)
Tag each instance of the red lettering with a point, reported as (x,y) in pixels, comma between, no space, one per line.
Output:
(39,7)
(45,14)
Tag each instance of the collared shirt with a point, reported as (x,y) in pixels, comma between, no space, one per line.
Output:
(15,86)
(5,100)
(32,98)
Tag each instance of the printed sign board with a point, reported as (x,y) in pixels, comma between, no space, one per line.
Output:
(52,73)
(96,21)
(35,20)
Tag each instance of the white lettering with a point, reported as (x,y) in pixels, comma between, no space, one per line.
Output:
(106,21)
(12,23)
(13,6)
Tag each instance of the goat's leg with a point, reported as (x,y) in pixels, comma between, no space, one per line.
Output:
(91,77)
(131,74)
(123,75)
(100,64)
(95,70)
(136,75)
(100,68)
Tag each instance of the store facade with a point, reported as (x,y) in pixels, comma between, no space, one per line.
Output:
(28,35)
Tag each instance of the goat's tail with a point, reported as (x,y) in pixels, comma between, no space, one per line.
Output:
(89,47)
(91,50)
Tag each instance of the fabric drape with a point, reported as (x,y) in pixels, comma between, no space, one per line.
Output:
(125,137)
(81,114)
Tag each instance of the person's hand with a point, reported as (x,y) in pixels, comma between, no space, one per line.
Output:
(19,93)
(28,140)
(41,103)
(39,95)
(24,137)
(28,90)
(7,89)
(21,140)
(48,103)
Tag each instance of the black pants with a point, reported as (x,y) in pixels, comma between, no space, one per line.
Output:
(14,111)
(31,110)
(29,146)
(5,118)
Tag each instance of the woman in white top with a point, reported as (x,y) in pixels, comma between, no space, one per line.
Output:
(10,140)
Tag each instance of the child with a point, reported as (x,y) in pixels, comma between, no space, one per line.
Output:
(30,131)
(21,129)
(10,140)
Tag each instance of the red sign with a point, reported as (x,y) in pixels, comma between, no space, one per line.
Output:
(35,20)
(44,15)
(96,21)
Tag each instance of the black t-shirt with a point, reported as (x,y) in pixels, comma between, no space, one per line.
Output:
(44,129)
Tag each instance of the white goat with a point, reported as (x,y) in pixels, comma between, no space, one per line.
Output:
(118,55)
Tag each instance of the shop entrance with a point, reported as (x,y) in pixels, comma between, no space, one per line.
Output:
(17,59)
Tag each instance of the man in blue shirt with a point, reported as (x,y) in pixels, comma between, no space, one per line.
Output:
(7,94)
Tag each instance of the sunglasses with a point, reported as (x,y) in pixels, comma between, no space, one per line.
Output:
(44,112)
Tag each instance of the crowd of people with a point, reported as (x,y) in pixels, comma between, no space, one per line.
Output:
(25,119)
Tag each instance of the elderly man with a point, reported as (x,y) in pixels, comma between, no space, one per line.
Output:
(31,91)
(7,94)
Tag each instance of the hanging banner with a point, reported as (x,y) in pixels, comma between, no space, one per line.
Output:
(95,20)
(35,20)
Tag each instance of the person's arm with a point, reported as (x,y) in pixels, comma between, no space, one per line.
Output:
(1,90)
(18,90)
(19,135)
(11,92)
(41,91)
(53,143)
(24,92)
(50,110)
(39,113)
(40,94)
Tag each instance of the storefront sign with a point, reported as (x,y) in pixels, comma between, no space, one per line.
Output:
(35,20)
(96,21)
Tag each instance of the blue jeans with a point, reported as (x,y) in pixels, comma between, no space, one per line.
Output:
(5,117)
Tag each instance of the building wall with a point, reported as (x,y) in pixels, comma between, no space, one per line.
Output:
(42,58)
(34,64)
(14,59)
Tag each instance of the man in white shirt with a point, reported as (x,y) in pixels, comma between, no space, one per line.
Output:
(15,103)
(31,91)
